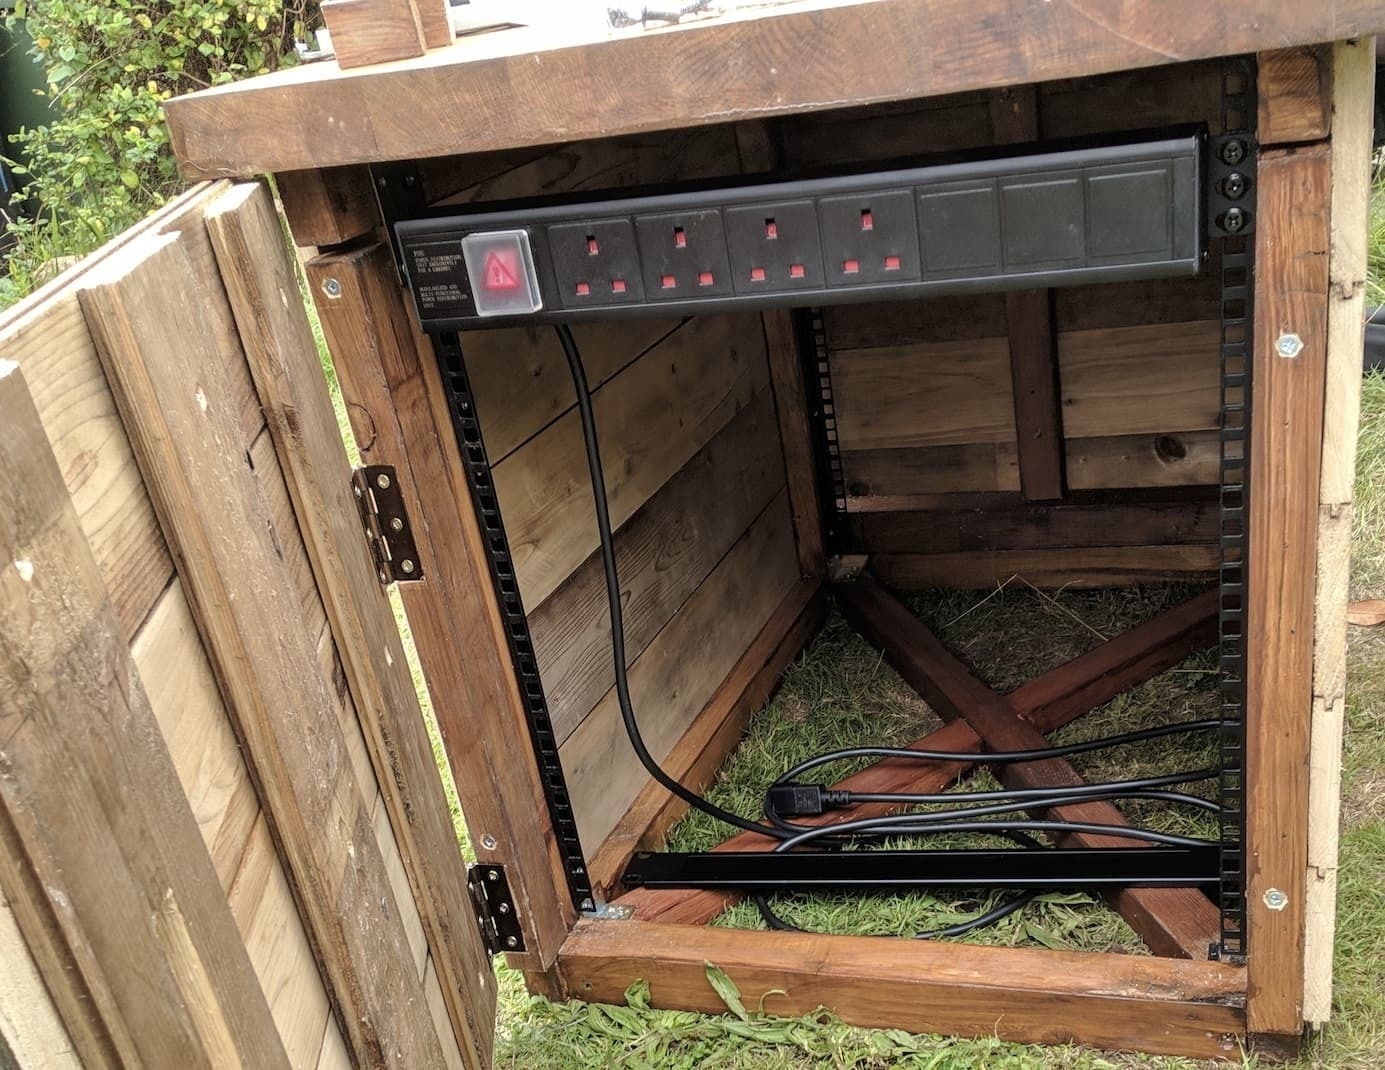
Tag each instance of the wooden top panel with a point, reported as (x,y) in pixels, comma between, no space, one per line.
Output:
(531,86)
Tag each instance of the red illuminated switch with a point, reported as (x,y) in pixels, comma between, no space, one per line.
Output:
(500,266)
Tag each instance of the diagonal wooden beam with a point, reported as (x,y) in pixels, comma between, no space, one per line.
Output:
(1179,922)
(1050,701)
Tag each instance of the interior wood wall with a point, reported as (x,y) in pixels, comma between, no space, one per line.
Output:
(50,340)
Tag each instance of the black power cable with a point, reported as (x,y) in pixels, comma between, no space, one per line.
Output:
(813,798)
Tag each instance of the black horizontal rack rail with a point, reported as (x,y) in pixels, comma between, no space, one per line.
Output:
(1190,199)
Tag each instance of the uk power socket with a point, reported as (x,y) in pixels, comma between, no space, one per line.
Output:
(684,255)
(596,263)
(870,237)
(774,247)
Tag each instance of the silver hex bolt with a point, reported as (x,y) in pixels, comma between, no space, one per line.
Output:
(1275,899)
(1288,345)
(331,287)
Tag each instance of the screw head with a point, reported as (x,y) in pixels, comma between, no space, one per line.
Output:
(1235,185)
(407,567)
(331,287)
(396,524)
(1288,345)
(488,842)
(492,874)
(1275,899)
(382,481)
(1233,152)
(510,941)
(1233,220)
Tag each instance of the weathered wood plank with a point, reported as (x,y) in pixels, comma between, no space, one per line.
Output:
(393,391)
(328,206)
(680,670)
(30,1028)
(488,93)
(374,31)
(1032,527)
(1018,994)
(795,439)
(1097,566)
(1168,459)
(185,434)
(651,418)
(1036,390)
(1291,296)
(283,357)
(702,749)
(1294,92)
(664,552)
(113,888)
(1353,93)
(899,479)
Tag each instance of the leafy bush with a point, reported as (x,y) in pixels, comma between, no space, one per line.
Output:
(103,162)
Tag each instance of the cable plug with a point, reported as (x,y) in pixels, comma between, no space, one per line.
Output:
(805,800)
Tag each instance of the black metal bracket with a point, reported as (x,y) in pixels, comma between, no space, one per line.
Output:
(496,915)
(399,193)
(386,524)
(892,871)
(810,336)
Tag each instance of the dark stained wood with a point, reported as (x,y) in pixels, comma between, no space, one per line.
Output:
(714,734)
(329,206)
(390,382)
(257,270)
(488,93)
(1294,87)
(1291,295)
(795,438)
(1031,526)
(1034,382)
(1157,1005)
(374,31)
(1097,566)
(1173,921)
(101,858)
(1048,702)
(242,592)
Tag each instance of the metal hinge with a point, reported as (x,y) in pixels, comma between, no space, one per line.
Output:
(386,524)
(495,908)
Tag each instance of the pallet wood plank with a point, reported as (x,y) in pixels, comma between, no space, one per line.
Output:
(328,205)
(1097,566)
(261,282)
(185,435)
(488,93)
(795,439)
(679,671)
(113,887)
(1353,92)
(664,552)
(1172,921)
(651,418)
(1017,994)
(1036,390)
(392,388)
(1294,91)
(702,749)
(374,31)
(31,1030)
(1167,459)
(1291,295)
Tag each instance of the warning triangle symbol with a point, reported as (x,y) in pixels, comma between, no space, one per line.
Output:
(500,272)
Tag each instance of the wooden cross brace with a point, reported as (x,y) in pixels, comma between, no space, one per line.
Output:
(1174,922)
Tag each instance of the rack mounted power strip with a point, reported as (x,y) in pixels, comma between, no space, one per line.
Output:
(1046,218)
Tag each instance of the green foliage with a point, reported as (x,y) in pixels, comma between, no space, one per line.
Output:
(104,160)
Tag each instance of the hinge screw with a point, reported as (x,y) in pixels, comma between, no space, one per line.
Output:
(1233,152)
(407,567)
(492,874)
(396,524)
(1235,186)
(1288,345)
(510,941)
(503,908)
(382,481)
(1275,899)
(331,287)
(1233,221)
